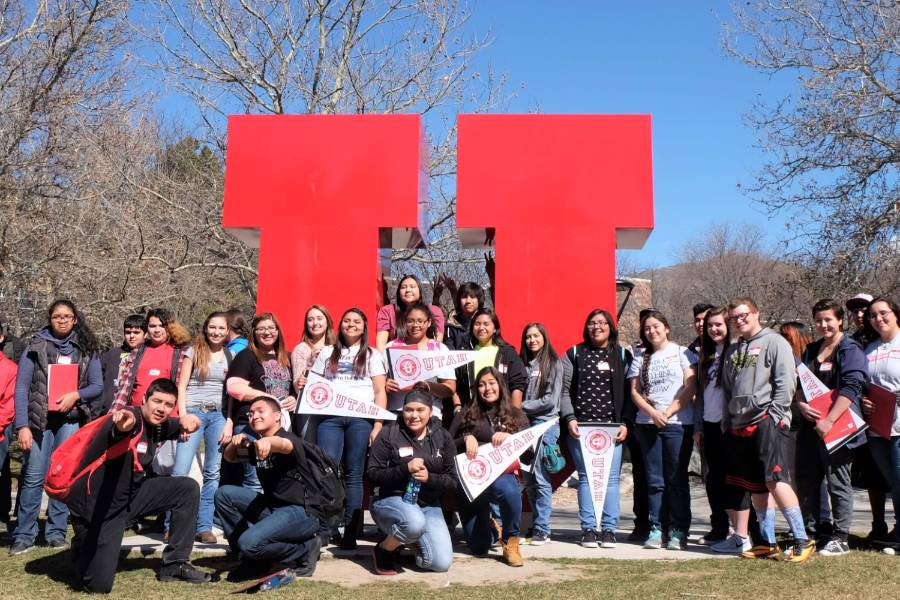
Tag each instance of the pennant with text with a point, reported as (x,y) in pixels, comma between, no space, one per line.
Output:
(598,445)
(411,365)
(334,397)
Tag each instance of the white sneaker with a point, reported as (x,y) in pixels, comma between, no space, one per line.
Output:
(733,544)
(889,550)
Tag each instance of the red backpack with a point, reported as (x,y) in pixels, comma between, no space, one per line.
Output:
(66,460)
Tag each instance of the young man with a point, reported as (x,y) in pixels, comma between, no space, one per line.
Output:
(856,313)
(101,505)
(272,527)
(699,311)
(134,333)
(759,380)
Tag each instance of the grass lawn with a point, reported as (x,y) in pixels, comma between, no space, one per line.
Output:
(44,574)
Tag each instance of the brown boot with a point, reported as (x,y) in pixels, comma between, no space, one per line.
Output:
(511,553)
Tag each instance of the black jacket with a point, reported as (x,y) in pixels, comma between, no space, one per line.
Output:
(506,361)
(110,362)
(387,469)
(483,430)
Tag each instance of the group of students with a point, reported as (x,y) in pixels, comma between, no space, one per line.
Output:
(235,387)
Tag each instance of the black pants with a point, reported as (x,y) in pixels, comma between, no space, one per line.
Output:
(96,545)
(641,505)
(715,457)
(815,464)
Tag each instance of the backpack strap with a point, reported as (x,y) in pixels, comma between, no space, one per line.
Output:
(127,444)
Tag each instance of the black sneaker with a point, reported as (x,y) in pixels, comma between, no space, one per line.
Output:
(639,534)
(58,543)
(20,548)
(588,538)
(182,571)
(249,569)
(384,561)
(539,538)
(608,538)
(308,563)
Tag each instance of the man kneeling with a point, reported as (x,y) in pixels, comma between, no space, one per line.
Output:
(117,493)
(273,527)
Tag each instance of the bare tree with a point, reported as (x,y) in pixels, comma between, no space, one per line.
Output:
(833,143)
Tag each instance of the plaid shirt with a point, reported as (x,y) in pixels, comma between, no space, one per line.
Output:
(128,376)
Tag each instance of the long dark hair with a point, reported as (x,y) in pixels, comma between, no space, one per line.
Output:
(648,348)
(469,288)
(506,417)
(548,359)
(497,338)
(86,338)
(708,346)
(399,305)
(178,333)
(361,362)
(420,306)
(613,331)
(870,330)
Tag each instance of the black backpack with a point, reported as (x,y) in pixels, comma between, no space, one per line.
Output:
(321,485)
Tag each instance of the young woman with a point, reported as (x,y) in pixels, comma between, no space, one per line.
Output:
(662,388)
(238,331)
(493,351)
(796,335)
(347,439)
(409,292)
(415,448)
(469,298)
(419,332)
(43,423)
(838,361)
(884,370)
(729,507)
(201,391)
(541,403)
(491,419)
(159,356)
(262,368)
(318,332)
(595,390)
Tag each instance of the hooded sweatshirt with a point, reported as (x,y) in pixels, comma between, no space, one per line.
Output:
(759,380)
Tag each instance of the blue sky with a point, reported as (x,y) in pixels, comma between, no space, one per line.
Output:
(661,58)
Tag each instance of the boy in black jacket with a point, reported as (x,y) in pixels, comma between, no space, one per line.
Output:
(103,503)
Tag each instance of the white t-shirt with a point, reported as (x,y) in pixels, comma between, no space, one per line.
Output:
(376,366)
(713,395)
(665,378)
(395,399)
(884,370)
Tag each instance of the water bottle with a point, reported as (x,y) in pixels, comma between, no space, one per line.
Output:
(278,580)
(411,495)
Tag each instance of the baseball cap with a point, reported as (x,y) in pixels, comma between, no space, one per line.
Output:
(859,301)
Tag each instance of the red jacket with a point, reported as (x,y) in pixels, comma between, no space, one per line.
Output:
(8,371)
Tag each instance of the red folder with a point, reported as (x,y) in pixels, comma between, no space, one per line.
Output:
(61,379)
(847,426)
(882,420)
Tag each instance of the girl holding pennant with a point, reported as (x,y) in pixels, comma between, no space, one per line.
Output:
(318,332)
(839,363)
(493,351)
(420,334)
(662,387)
(490,420)
(541,404)
(884,371)
(346,439)
(594,390)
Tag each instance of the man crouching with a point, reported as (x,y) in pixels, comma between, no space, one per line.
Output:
(269,530)
(119,492)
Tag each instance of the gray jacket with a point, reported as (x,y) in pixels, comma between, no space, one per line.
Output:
(759,380)
(546,406)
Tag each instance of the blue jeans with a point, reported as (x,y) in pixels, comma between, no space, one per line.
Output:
(34,468)
(211,425)
(251,481)
(346,440)
(420,525)
(260,532)
(476,516)
(537,483)
(586,513)
(667,453)
(887,456)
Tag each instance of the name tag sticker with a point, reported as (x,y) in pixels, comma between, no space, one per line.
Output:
(154,372)
(63,360)
(536,373)
(405,451)
(825,366)
(603,365)
(754,351)
(141,448)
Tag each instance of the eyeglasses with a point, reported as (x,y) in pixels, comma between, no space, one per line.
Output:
(883,314)
(598,325)
(419,322)
(266,329)
(741,317)
(62,318)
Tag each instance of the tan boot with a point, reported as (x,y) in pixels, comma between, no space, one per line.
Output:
(511,553)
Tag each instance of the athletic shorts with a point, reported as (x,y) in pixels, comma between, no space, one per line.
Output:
(758,457)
